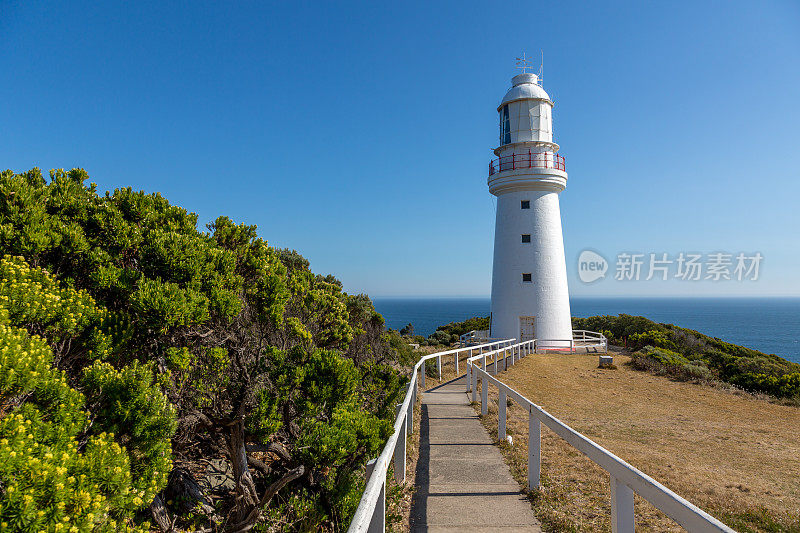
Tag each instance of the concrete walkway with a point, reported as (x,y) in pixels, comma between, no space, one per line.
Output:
(462,482)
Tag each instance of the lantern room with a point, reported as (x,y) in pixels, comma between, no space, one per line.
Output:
(526,112)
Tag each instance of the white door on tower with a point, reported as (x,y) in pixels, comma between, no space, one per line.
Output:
(527,328)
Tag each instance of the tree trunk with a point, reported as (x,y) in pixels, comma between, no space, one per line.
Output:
(246,494)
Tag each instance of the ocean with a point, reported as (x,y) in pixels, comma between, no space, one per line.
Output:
(770,325)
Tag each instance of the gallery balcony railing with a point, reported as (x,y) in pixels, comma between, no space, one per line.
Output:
(529,160)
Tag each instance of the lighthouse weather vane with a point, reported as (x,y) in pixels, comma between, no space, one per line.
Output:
(523,63)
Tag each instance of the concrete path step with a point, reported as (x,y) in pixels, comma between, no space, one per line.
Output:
(461,482)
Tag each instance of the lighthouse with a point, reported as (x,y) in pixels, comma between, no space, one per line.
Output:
(530,297)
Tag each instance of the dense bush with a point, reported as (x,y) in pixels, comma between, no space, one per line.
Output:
(142,348)
(58,471)
(449,333)
(664,361)
(459,328)
(689,354)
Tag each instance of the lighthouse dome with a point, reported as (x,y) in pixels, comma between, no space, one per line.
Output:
(524,87)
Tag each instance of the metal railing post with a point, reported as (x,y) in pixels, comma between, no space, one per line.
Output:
(456,361)
(378,522)
(622,520)
(439,366)
(469,372)
(422,369)
(484,396)
(410,412)
(400,449)
(474,385)
(534,451)
(501,414)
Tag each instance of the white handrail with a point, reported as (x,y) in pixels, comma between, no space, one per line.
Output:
(370,515)
(625,479)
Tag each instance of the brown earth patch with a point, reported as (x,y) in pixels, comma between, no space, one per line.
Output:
(734,455)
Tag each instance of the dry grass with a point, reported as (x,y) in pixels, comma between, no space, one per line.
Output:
(734,455)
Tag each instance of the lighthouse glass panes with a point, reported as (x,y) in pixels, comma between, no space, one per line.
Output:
(529,274)
(505,127)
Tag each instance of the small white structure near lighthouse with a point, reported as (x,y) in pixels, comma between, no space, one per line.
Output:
(530,298)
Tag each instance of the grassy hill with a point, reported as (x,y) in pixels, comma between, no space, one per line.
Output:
(731,453)
(687,354)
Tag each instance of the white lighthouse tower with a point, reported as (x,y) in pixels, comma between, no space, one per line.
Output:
(530,298)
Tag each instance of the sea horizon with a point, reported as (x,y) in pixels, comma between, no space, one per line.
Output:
(770,324)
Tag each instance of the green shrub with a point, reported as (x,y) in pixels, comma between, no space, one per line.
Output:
(129,404)
(51,480)
(456,329)
(650,338)
(250,346)
(442,337)
(688,354)
(696,370)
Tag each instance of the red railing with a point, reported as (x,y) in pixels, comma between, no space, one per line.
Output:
(529,160)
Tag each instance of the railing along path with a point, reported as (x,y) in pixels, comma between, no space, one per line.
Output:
(370,515)
(625,479)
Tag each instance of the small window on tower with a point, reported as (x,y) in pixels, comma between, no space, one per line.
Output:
(526,238)
(526,204)
(527,278)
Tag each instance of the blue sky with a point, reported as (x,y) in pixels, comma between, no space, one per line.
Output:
(359,133)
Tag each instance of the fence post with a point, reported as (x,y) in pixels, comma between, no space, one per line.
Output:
(456,359)
(474,385)
(484,363)
(378,522)
(621,507)
(422,372)
(400,449)
(439,366)
(534,451)
(484,396)
(410,413)
(501,414)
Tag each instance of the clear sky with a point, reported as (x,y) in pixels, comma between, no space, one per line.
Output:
(359,133)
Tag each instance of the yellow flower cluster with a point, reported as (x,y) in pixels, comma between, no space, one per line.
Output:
(50,483)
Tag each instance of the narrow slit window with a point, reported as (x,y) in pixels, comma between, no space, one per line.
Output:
(505,126)
(527,278)
(526,238)
(526,204)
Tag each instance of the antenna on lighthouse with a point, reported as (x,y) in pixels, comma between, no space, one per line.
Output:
(541,68)
(523,63)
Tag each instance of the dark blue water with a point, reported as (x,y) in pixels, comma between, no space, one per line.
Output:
(771,325)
